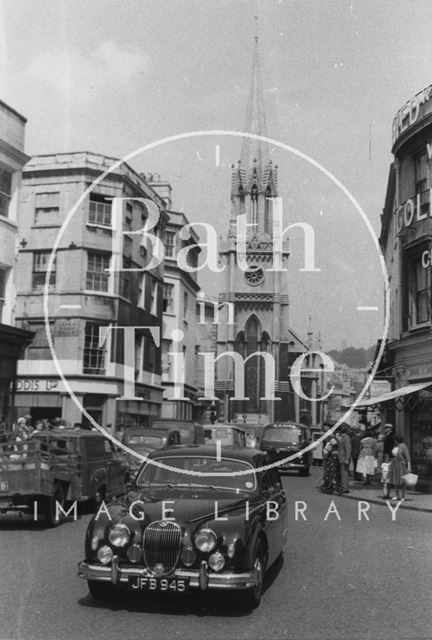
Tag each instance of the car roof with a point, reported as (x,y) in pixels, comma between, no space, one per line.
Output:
(149,432)
(221,425)
(253,456)
(67,432)
(286,423)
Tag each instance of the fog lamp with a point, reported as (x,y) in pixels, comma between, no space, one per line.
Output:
(216,561)
(205,540)
(119,535)
(105,554)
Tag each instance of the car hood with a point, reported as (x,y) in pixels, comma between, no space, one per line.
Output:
(184,506)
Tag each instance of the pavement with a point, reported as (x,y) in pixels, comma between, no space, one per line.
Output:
(414,500)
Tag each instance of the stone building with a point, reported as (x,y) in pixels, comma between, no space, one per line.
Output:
(96,287)
(12,339)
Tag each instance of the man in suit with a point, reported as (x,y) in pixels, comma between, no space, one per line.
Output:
(344,454)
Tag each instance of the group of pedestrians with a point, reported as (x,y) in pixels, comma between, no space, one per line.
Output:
(387,455)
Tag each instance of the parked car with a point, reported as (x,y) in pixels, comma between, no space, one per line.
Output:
(282,440)
(57,466)
(190,432)
(227,434)
(179,529)
(144,441)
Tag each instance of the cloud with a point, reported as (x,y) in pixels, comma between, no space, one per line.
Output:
(81,77)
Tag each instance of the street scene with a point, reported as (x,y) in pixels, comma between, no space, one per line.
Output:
(215,319)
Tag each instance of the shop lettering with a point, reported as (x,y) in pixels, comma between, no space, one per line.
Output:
(410,112)
(411,211)
(37,384)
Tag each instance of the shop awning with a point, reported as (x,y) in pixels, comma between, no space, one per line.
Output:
(392,395)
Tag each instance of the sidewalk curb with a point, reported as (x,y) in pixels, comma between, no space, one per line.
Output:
(383,503)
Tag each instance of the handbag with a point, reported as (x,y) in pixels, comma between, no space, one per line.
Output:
(410,479)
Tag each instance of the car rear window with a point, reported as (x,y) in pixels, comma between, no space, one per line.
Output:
(154,441)
(289,435)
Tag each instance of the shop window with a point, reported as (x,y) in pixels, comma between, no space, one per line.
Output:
(97,277)
(5,191)
(169,244)
(94,349)
(168,298)
(47,208)
(40,268)
(99,210)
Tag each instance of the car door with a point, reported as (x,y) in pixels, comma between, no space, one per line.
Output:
(274,507)
(115,468)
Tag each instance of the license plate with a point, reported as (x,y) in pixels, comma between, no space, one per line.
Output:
(167,585)
(4,485)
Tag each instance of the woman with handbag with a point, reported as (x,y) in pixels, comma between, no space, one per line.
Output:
(400,465)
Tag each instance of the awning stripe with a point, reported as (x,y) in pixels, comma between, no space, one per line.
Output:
(392,395)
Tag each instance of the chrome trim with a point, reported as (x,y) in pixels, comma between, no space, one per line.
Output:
(220,580)
(162,545)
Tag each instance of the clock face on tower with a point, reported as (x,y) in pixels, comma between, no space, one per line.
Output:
(254,275)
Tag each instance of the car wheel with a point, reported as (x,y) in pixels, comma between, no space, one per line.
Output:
(100,590)
(50,507)
(252,597)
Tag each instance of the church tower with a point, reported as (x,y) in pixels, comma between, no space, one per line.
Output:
(258,296)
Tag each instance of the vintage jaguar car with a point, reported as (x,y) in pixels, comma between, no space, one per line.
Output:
(194,518)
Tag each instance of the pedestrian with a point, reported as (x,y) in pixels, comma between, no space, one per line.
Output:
(331,468)
(400,465)
(385,475)
(389,442)
(366,463)
(355,450)
(344,454)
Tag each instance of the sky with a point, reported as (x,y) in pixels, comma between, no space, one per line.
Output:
(113,76)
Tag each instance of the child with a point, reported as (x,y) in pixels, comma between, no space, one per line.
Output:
(385,475)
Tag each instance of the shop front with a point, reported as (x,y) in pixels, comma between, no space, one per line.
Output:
(47,397)
(12,343)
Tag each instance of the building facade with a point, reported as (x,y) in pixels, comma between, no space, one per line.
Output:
(104,308)
(12,339)
(406,240)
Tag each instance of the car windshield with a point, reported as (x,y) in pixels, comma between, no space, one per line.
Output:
(154,441)
(290,435)
(221,474)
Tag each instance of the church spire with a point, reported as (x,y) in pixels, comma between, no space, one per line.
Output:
(255,152)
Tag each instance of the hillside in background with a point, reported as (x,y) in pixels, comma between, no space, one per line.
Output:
(354,358)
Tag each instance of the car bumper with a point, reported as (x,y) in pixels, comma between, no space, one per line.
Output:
(198,579)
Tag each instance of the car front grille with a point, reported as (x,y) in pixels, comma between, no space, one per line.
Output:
(161,546)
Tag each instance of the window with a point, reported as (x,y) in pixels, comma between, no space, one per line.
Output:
(40,267)
(94,349)
(422,182)
(254,205)
(168,298)
(97,278)
(169,244)
(153,299)
(417,298)
(141,291)
(5,191)
(125,280)
(149,354)
(3,276)
(99,210)
(185,305)
(47,208)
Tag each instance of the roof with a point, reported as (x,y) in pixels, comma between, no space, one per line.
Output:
(74,433)
(244,454)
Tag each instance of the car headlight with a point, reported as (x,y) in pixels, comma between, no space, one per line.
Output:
(216,561)
(205,540)
(105,554)
(119,535)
